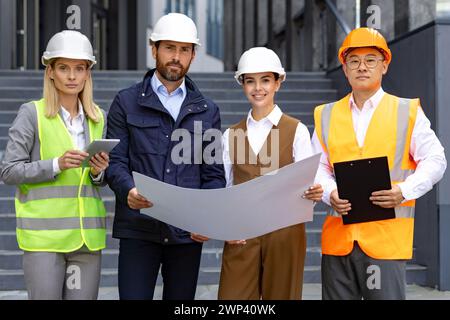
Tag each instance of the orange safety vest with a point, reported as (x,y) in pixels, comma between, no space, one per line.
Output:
(389,134)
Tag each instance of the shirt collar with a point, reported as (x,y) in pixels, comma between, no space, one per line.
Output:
(159,87)
(373,101)
(66,114)
(273,117)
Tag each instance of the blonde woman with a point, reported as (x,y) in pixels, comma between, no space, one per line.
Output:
(60,215)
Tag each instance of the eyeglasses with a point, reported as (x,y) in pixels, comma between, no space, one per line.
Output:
(371,62)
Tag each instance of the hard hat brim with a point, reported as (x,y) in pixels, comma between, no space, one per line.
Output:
(155,39)
(46,57)
(238,74)
(344,50)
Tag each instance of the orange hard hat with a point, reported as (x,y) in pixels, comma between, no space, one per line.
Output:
(365,37)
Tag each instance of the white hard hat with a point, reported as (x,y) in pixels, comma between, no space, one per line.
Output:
(175,27)
(69,44)
(259,59)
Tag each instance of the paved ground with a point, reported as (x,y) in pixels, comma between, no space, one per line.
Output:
(310,292)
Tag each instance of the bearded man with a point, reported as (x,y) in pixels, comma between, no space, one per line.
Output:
(144,118)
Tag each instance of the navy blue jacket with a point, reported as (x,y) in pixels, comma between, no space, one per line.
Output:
(144,128)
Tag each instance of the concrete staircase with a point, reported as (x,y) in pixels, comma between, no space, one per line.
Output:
(298,96)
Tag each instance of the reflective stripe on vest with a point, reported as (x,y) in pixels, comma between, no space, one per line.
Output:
(60,223)
(66,213)
(397,173)
(400,212)
(58,192)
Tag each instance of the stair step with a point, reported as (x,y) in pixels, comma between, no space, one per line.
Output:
(121,83)
(227,122)
(139,74)
(8,240)
(13,279)
(238,104)
(211,257)
(214,94)
(12,259)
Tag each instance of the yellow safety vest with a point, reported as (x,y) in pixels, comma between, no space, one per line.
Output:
(389,134)
(65,214)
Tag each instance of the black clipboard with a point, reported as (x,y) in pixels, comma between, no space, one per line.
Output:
(356,180)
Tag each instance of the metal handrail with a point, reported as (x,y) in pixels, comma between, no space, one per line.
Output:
(338,16)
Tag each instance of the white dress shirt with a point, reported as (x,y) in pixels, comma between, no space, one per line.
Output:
(258,131)
(75,126)
(425,149)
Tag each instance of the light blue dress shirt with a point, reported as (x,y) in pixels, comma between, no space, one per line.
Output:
(172,102)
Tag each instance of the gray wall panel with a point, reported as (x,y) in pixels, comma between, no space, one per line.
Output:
(442,124)
(7,30)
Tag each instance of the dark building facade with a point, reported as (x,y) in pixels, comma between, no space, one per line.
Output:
(27,25)
(118,30)
(307,33)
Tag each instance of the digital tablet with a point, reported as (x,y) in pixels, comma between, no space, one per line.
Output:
(100,145)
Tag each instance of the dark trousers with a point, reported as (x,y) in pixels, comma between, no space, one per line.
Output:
(357,276)
(139,264)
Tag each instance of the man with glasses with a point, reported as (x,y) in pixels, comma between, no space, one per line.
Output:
(368,260)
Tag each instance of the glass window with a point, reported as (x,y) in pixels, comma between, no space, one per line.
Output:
(186,7)
(214,37)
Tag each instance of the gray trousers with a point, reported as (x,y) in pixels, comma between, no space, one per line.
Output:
(62,276)
(358,276)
